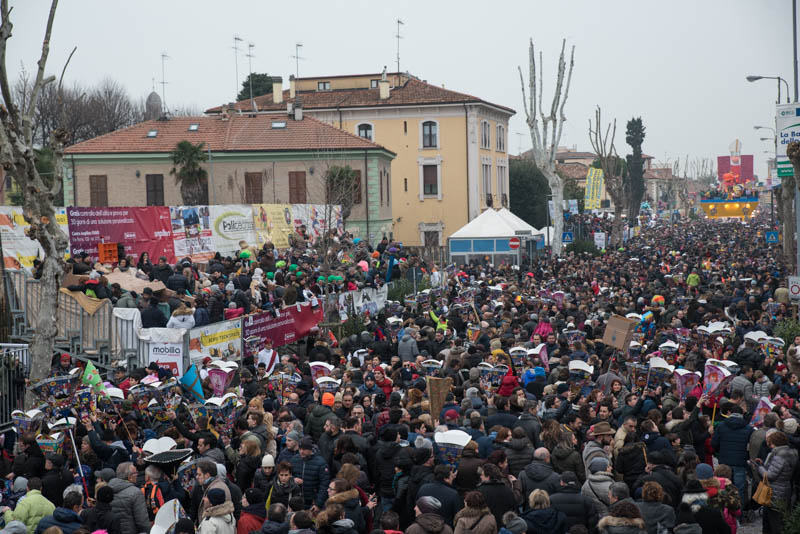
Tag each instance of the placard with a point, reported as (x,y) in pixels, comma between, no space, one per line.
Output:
(167,356)
(619,332)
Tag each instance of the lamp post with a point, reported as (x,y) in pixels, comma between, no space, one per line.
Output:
(753,78)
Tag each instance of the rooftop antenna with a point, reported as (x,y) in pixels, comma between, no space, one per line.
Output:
(250,57)
(236,41)
(399,23)
(297,59)
(520,135)
(164,82)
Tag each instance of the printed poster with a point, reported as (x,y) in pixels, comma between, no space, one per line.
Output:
(230,224)
(191,232)
(291,324)
(273,222)
(142,229)
(167,356)
(18,249)
(218,340)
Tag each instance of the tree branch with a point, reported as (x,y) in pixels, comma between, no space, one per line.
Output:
(41,81)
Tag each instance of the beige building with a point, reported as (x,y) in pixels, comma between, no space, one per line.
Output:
(252,159)
(452,148)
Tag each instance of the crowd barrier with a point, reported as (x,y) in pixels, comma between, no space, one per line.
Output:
(14,367)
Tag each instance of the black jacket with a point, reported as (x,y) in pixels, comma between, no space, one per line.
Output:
(539,475)
(420,475)
(161,273)
(499,498)
(577,507)
(153,317)
(532,427)
(100,517)
(449,497)
(672,484)
(54,482)
(519,452)
(177,283)
(385,454)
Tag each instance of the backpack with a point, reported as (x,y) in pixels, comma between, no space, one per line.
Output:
(153,498)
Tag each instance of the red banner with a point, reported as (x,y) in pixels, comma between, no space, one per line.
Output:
(145,229)
(292,323)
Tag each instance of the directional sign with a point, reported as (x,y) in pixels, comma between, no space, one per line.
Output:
(566,237)
(513,243)
(794,287)
(772,237)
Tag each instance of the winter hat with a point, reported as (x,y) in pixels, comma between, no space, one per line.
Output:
(429,504)
(538,371)
(267,461)
(105,494)
(451,414)
(703,471)
(105,474)
(597,465)
(229,286)
(20,484)
(569,478)
(254,495)
(694,486)
(15,527)
(328,399)
(474,373)
(216,496)
(294,435)
(184,526)
(790,426)
(517,526)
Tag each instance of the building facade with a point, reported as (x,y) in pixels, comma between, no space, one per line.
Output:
(451,148)
(251,159)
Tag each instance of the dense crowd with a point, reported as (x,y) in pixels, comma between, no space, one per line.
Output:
(548,450)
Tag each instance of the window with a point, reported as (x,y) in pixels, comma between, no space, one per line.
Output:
(388,184)
(486,173)
(297,187)
(357,191)
(430,134)
(486,135)
(194,127)
(152,133)
(98,190)
(405,185)
(501,181)
(430,180)
(501,138)
(253,191)
(155,189)
(405,127)
(365,131)
(278,125)
(431,238)
(323,86)
(381,188)
(373,84)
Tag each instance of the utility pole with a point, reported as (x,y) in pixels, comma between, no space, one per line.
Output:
(236,41)
(399,23)
(164,57)
(250,56)
(796,178)
(297,59)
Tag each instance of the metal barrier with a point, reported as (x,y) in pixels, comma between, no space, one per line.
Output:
(125,338)
(144,348)
(15,365)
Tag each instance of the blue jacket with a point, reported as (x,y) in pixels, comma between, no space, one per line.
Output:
(730,441)
(315,475)
(63,518)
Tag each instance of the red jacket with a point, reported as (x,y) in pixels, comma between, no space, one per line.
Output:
(248,522)
(386,386)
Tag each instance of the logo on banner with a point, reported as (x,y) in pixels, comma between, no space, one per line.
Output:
(233,222)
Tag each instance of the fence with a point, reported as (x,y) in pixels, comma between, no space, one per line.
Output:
(14,367)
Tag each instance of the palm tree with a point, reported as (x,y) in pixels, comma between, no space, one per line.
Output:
(188,173)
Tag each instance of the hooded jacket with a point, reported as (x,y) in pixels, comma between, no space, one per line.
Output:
(55,481)
(30,510)
(407,348)
(316,477)
(532,427)
(352,507)
(548,520)
(252,518)
(519,452)
(596,488)
(780,468)
(65,519)
(218,520)
(621,525)
(499,498)
(182,319)
(539,475)
(576,507)
(475,521)
(564,459)
(385,453)
(710,520)
(129,507)
(101,517)
(315,422)
(449,497)
(656,515)
(429,524)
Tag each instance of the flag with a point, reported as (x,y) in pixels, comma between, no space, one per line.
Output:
(91,377)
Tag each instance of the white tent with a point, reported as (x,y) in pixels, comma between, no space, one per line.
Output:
(544,232)
(494,223)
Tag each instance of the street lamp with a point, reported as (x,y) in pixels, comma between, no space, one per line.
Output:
(753,78)
(764,128)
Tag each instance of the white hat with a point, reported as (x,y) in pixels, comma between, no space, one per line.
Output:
(268,461)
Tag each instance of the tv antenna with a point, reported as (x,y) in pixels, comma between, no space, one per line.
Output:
(399,23)
(164,82)
(297,59)
(520,135)
(250,57)
(236,41)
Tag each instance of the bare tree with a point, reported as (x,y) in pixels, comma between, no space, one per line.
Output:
(546,129)
(18,159)
(613,170)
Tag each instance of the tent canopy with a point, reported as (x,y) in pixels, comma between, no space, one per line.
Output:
(494,223)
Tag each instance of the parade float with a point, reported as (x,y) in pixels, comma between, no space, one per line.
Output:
(735,195)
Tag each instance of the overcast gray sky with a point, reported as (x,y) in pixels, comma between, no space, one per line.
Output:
(680,65)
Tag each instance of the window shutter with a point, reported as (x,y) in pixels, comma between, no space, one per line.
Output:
(254,193)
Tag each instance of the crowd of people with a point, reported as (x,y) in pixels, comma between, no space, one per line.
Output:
(548,450)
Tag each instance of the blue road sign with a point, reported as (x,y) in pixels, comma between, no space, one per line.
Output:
(772,237)
(566,237)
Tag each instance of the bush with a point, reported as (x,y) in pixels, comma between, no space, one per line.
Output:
(404,287)
(582,245)
(787,330)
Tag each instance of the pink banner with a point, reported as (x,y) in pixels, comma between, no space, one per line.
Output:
(145,229)
(293,323)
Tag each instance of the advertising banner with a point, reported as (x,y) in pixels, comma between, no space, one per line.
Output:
(291,324)
(594,183)
(230,224)
(18,249)
(316,218)
(191,232)
(145,229)
(600,240)
(788,125)
(273,222)
(218,340)
(167,356)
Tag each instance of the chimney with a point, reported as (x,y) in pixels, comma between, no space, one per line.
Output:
(298,109)
(383,86)
(277,89)
(292,86)
(229,111)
